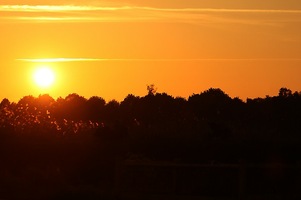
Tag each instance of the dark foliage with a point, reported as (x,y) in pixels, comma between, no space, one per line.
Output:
(72,141)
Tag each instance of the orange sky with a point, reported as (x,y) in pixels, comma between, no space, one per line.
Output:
(248,48)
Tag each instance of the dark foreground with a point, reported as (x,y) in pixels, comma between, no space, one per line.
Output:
(210,146)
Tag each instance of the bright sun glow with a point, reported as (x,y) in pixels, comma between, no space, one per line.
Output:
(44,77)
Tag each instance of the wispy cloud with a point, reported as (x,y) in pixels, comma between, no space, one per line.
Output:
(48,60)
(57,60)
(59,8)
(77,13)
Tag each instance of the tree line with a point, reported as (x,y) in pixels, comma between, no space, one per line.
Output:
(63,147)
(158,119)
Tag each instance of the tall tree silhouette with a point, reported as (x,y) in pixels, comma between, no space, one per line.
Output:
(95,108)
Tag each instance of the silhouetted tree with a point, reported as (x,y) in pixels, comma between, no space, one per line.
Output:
(211,104)
(151,89)
(111,111)
(74,107)
(4,103)
(284,92)
(95,108)
(45,101)
(129,108)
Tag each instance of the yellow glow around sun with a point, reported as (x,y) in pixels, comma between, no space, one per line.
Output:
(44,77)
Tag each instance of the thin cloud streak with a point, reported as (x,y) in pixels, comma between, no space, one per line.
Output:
(221,10)
(59,8)
(44,60)
(56,8)
(76,13)
(57,60)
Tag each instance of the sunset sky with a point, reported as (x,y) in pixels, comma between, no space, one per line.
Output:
(248,48)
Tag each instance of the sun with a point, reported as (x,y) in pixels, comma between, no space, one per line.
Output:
(44,77)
